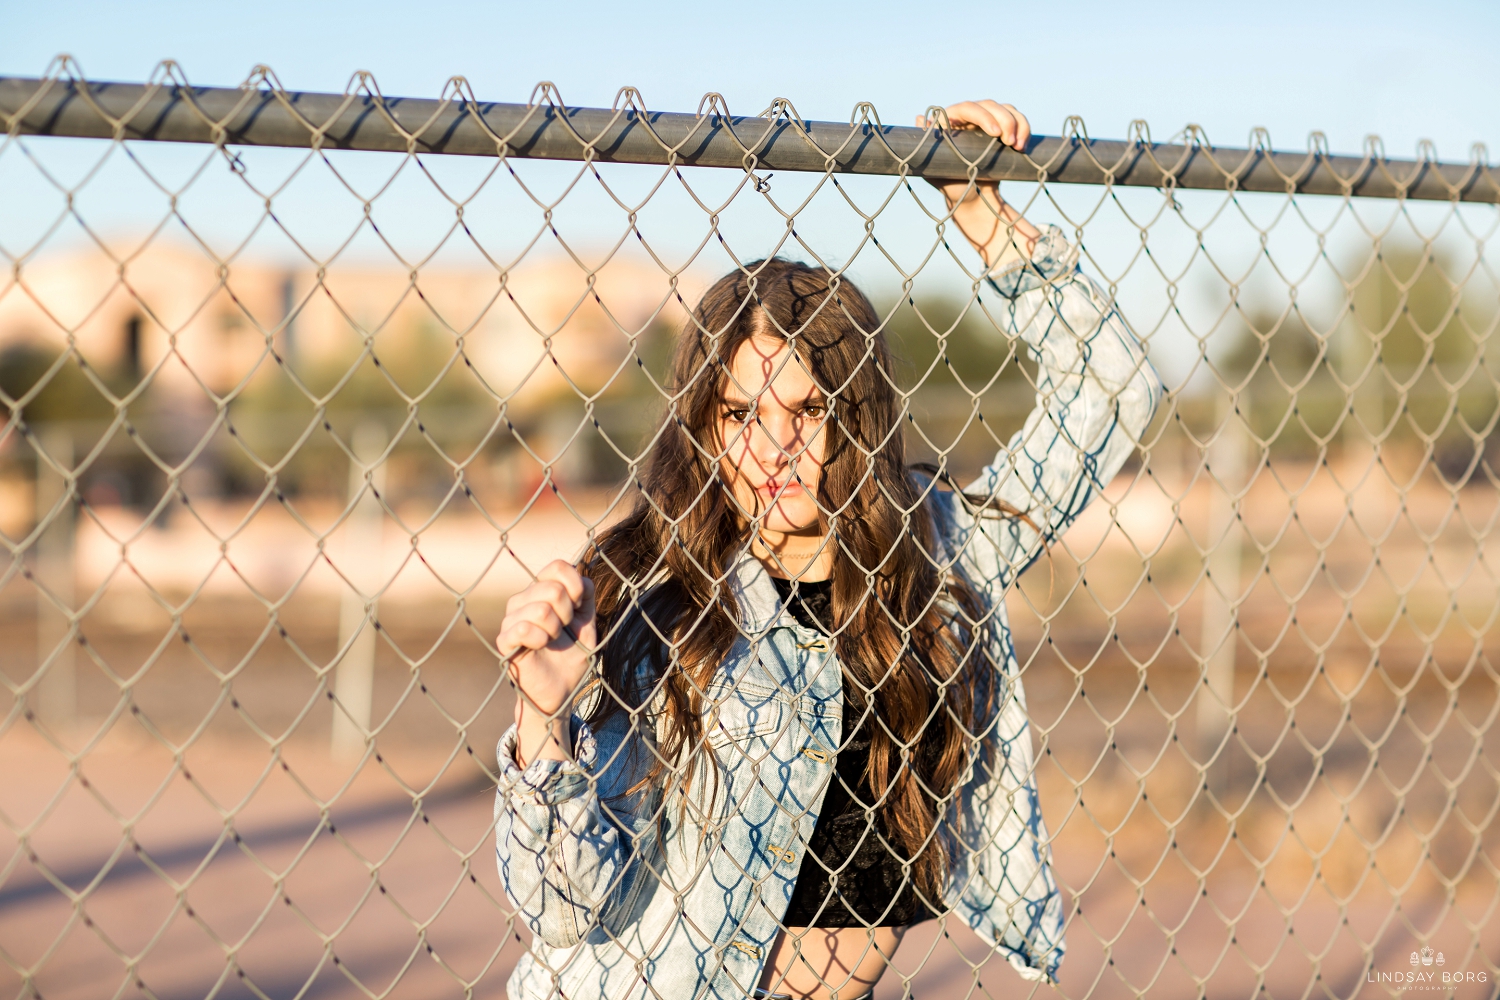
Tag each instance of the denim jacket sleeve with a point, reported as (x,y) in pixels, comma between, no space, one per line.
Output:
(1095,394)
(571,839)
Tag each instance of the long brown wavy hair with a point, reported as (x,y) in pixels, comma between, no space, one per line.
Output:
(908,634)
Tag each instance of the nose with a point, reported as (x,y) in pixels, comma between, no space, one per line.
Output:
(774,439)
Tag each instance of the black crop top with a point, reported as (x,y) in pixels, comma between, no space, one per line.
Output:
(846,838)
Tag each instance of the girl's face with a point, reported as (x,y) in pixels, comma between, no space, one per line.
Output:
(771,418)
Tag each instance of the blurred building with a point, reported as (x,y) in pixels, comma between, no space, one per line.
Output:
(205,329)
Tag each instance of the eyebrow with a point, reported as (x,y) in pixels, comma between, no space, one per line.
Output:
(816,396)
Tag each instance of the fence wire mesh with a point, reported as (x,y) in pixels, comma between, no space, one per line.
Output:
(286,428)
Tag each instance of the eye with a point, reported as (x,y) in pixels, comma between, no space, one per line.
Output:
(738,414)
(814,410)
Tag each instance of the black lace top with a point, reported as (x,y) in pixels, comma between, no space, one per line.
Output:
(846,844)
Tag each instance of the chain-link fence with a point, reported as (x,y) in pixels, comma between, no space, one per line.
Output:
(300,389)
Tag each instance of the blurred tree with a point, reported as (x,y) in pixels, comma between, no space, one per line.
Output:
(945,342)
(64,394)
(1278,368)
(405,375)
(1416,344)
(59,392)
(1404,364)
(950,351)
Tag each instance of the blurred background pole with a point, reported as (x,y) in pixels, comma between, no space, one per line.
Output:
(1364,382)
(1225,457)
(354,683)
(57,690)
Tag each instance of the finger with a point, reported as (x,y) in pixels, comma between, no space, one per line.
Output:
(566,574)
(540,613)
(1023,127)
(921,121)
(556,594)
(523,635)
(541,589)
(543,616)
(973,113)
(549,592)
(520,637)
(968,114)
(1005,119)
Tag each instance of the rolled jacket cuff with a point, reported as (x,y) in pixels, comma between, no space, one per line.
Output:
(549,782)
(1052,258)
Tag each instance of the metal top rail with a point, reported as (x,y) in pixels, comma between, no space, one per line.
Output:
(363,119)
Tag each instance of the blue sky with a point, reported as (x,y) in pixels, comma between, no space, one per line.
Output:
(1405,71)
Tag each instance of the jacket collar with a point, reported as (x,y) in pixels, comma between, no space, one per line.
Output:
(760,603)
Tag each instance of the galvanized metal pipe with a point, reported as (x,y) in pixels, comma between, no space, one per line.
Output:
(261,117)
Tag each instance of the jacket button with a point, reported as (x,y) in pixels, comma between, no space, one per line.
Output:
(821,756)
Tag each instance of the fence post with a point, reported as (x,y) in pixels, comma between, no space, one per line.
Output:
(57,689)
(1364,382)
(1225,457)
(354,685)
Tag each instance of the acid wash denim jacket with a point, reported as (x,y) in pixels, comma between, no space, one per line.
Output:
(625,899)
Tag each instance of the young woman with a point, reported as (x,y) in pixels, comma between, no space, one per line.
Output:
(773,717)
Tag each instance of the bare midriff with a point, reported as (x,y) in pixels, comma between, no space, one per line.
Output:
(829,963)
